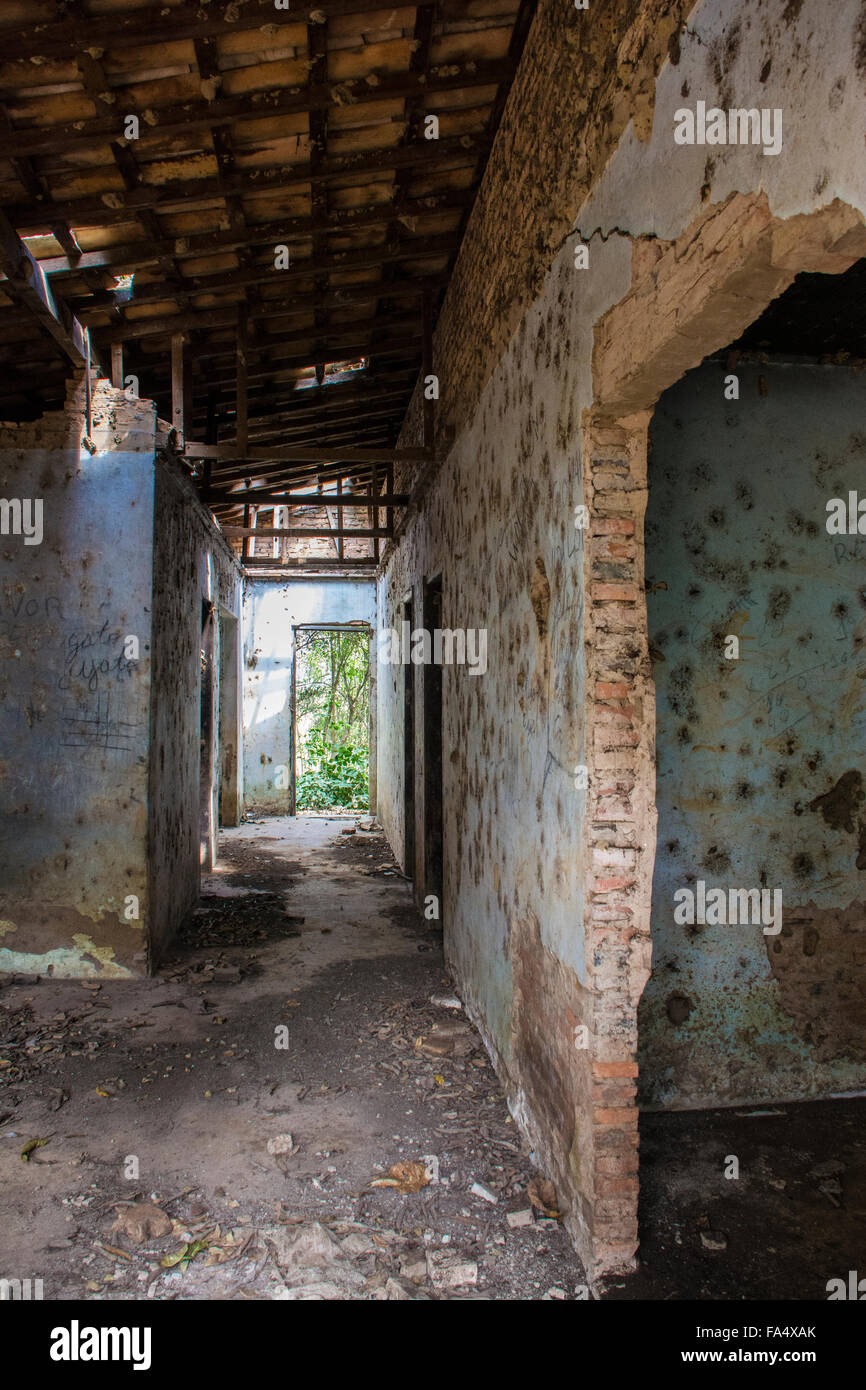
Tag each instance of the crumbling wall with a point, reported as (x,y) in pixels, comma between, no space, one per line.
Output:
(272,608)
(194,572)
(75,691)
(547,889)
(760,754)
(499,525)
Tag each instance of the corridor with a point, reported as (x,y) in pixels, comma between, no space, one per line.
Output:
(308,929)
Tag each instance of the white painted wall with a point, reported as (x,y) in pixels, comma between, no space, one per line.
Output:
(272,608)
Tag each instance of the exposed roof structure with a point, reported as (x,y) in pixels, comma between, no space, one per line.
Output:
(247,208)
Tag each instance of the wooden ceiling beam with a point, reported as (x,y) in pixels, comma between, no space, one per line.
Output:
(163,325)
(303,454)
(170,121)
(269,533)
(132,256)
(319,264)
(312,564)
(347,406)
(263,497)
(350,418)
(182,194)
(29,287)
(148,25)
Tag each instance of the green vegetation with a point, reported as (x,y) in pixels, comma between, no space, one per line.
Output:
(333,706)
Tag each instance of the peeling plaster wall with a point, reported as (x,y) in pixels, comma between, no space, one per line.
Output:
(795,55)
(802,56)
(498,524)
(192,565)
(493,515)
(73,709)
(760,759)
(271,609)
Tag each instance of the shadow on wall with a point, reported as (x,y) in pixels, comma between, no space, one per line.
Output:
(268,734)
(756,619)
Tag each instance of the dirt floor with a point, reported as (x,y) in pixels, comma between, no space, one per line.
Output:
(229,1128)
(284,1059)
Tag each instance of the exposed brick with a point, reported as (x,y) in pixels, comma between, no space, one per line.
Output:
(625,1116)
(619,593)
(612,526)
(614,1187)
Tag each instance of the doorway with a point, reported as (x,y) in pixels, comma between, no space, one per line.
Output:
(433,830)
(208,769)
(408,752)
(755,616)
(331,712)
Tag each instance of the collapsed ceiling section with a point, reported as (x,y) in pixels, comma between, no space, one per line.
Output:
(245,211)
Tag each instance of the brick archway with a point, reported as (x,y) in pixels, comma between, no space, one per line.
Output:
(688,298)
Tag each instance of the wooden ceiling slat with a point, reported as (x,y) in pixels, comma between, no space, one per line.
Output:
(182,193)
(258,126)
(318,265)
(122,257)
(204,116)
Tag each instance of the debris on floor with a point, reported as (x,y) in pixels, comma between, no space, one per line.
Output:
(295,1112)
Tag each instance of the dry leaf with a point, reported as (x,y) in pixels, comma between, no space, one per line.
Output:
(406,1176)
(542,1194)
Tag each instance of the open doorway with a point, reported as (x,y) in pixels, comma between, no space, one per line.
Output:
(408,752)
(208,770)
(733,531)
(331,720)
(756,623)
(433,867)
(229,707)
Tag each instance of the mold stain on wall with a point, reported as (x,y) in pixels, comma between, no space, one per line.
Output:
(756,787)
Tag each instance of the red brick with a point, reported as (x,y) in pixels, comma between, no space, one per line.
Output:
(624,1116)
(618,593)
(614,1187)
(612,690)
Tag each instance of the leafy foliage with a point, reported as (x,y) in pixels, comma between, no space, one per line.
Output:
(333,704)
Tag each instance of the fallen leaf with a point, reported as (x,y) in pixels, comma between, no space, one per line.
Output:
(406,1176)
(182,1257)
(30,1146)
(542,1194)
(143,1221)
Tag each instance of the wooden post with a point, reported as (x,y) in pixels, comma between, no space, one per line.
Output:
(429,418)
(241,404)
(374,516)
(339,517)
(177,385)
(88,388)
(211,435)
(117,365)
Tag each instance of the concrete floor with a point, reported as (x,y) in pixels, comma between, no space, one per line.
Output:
(267,1154)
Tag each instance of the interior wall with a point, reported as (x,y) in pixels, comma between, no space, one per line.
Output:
(760,757)
(545,931)
(230,731)
(498,524)
(73,702)
(192,566)
(272,608)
